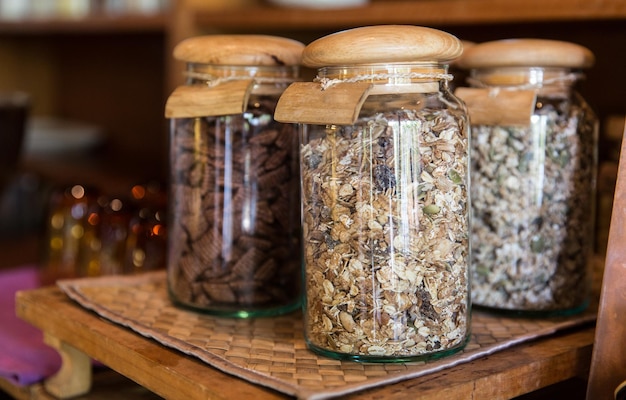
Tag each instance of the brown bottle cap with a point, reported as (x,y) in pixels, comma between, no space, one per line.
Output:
(526,53)
(240,50)
(382,44)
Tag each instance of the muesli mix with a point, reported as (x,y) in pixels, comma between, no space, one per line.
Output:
(385,221)
(532,203)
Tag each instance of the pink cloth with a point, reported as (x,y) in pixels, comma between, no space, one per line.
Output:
(24,357)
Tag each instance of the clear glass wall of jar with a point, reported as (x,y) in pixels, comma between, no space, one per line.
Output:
(233,231)
(386,209)
(533,183)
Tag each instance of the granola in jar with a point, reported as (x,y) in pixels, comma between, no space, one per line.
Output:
(385,211)
(533,184)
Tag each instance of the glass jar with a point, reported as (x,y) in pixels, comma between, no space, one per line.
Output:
(72,218)
(115,216)
(534,155)
(385,205)
(146,242)
(233,220)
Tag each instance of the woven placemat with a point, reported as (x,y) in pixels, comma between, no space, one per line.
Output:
(271,351)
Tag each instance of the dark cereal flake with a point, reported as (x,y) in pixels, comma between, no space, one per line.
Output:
(229,249)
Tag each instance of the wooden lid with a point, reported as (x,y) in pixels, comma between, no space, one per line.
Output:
(240,50)
(526,53)
(382,44)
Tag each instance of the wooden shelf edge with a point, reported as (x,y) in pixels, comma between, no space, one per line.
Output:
(162,370)
(425,12)
(169,373)
(90,24)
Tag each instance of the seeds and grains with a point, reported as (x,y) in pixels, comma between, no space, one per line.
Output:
(386,225)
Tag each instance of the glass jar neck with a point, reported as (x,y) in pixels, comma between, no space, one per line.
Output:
(267,79)
(390,78)
(545,80)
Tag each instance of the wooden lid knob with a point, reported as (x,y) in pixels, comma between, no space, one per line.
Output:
(240,50)
(382,44)
(526,53)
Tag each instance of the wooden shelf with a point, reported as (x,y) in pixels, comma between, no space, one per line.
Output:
(98,23)
(511,372)
(107,384)
(425,12)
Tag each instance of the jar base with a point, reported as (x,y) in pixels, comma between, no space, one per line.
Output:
(387,359)
(532,313)
(238,312)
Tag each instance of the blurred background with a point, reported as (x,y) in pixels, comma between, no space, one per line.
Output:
(83,84)
(97,74)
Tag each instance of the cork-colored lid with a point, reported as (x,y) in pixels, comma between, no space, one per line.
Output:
(526,53)
(382,44)
(240,50)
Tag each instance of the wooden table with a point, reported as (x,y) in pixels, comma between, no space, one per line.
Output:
(80,334)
